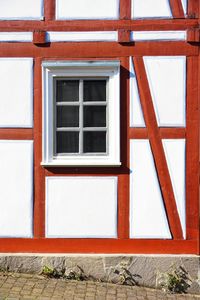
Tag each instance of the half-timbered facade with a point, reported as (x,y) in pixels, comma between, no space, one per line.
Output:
(99,126)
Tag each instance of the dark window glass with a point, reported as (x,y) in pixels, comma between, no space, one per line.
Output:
(67,90)
(94,90)
(94,142)
(67,142)
(67,116)
(94,116)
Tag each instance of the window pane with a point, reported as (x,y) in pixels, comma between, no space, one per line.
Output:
(94,90)
(94,142)
(67,90)
(94,116)
(67,142)
(67,116)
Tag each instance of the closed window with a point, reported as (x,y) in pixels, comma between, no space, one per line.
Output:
(81,113)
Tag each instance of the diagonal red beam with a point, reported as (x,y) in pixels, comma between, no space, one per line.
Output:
(177,8)
(157,148)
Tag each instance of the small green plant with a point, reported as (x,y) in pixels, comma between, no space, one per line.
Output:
(52,272)
(125,276)
(177,280)
(76,273)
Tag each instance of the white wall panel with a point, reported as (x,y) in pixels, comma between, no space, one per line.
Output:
(16,92)
(167,80)
(82,36)
(174,35)
(184,3)
(147,212)
(136,115)
(87,9)
(21,9)
(81,207)
(16,186)
(150,9)
(175,155)
(16,36)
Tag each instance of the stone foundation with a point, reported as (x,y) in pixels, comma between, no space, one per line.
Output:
(144,268)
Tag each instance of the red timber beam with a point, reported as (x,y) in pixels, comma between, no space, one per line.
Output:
(157,149)
(125,10)
(193,9)
(177,8)
(49,10)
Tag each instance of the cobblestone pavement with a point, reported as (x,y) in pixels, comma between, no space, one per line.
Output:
(14,286)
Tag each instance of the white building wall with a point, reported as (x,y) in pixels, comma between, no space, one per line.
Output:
(16,188)
(87,9)
(16,92)
(81,207)
(21,9)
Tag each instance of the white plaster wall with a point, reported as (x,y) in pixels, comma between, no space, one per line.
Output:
(16,37)
(167,81)
(147,212)
(150,9)
(16,92)
(84,207)
(175,35)
(136,114)
(175,155)
(83,36)
(87,9)
(16,186)
(21,9)
(185,4)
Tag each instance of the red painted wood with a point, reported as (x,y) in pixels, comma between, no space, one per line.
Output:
(16,133)
(123,178)
(177,8)
(98,246)
(39,37)
(198,219)
(193,8)
(125,9)
(96,49)
(193,35)
(157,149)
(39,179)
(124,36)
(165,133)
(99,25)
(49,9)
(192,149)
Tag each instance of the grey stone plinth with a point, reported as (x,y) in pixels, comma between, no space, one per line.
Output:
(144,268)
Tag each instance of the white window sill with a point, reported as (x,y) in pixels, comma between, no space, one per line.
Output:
(80,164)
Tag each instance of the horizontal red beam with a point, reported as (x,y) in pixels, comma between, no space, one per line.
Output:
(90,25)
(16,134)
(99,246)
(165,133)
(96,49)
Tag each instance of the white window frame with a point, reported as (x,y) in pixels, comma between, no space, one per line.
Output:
(71,69)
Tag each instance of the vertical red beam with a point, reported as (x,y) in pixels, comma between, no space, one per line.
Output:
(123,177)
(193,8)
(39,178)
(177,8)
(192,150)
(125,9)
(49,9)
(157,148)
